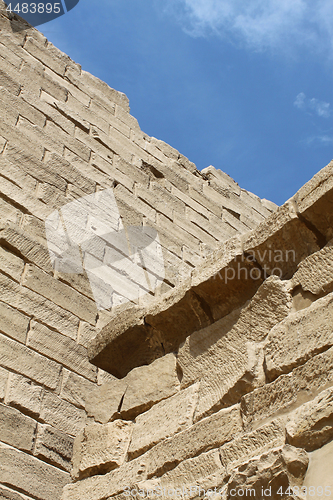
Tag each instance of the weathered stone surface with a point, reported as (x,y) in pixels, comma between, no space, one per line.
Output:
(32,364)
(23,394)
(315,205)
(254,443)
(209,433)
(136,393)
(310,426)
(29,302)
(204,471)
(61,349)
(62,415)
(225,356)
(315,273)
(54,446)
(16,429)
(11,264)
(101,447)
(75,389)
(288,390)
(299,337)
(60,293)
(13,323)
(281,467)
(163,420)
(3,383)
(7,494)
(28,474)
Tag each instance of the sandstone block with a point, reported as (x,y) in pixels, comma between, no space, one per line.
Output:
(3,383)
(288,390)
(104,486)
(28,474)
(32,365)
(24,394)
(163,420)
(60,293)
(193,472)
(62,349)
(55,446)
(136,393)
(310,426)
(194,230)
(75,389)
(226,356)
(102,89)
(9,83)
(30,302)
(315,273)
(281,467)
(16,429)
(46,55)
(202,199)
(61,414)
(209,433)
(290,238)
(11,264)
(22,107)
(13,323)
(29,248)
(101,448)
(127,197)
(299,337)
(222,179)
(255,443)
(7,494)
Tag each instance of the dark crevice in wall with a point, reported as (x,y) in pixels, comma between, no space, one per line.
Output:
(320,238)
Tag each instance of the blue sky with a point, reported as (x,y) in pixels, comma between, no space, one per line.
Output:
(244,85)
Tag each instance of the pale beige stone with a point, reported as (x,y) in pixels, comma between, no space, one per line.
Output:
(310,425)
(163,420)
(248,445)
(34,366)
(3,383)
(211,432)
(101,448)
(315,273)
(62,415)
(30,475)
(299,337)
(61,349)
(13,323)
(225,357)
(11,264)
(23,394)
(17,429)
(75,389)
(136,393)
(55,446)
(319,473)
(280,467)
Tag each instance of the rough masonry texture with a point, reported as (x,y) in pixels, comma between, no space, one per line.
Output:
(219,377)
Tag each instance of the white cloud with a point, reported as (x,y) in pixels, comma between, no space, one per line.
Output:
(321,108)
(319,140)
(259,23)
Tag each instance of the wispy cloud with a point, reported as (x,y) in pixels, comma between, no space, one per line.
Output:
(319,140)
(259,23)
(321,108)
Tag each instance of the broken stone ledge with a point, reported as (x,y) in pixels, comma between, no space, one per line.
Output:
(226,280)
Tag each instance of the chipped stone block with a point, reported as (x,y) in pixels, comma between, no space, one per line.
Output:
(11,264)
(101,448)
(54,446)
(310,426)
(248,445)
(211,432)
(315,273)
(163,420)
(136,393)
(299,337)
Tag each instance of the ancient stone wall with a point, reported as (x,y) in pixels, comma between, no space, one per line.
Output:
(242,405)
(65,136)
